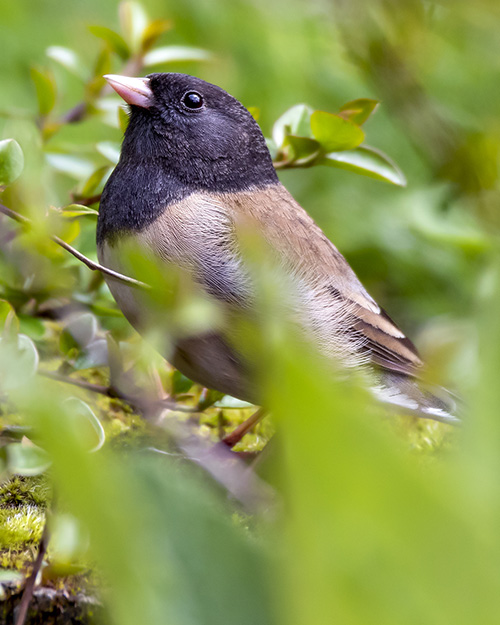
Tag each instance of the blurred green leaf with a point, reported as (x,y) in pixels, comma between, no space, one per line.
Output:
(94,181)
(68,539)
(460,230)
(87,426)
(46,89)
(358,111)
(11,161)
(102,65)
(108,110)
(366,161)
(67,229)
(232,402)
(180,383)
(378,520)
(254,112)
(8,318)
(18,361)
(153,31)
(95,354)
(133,21)
(115,41)
(79,210)
(334,132)
(188,540)
(272,147)
(32,326)
(123,118)
(69,59)
(82,328)
(77,167)
(23,459)
(175,54)
(110,150)
(294,121)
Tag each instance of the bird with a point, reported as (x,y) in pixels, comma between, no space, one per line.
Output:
(194,166)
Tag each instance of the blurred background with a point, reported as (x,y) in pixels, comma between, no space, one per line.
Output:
(371,520)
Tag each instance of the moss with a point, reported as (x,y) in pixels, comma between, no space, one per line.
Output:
(21,526)
(29,491)
(18,559)
(22,516)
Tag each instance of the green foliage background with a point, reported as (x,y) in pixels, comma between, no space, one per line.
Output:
(349,516)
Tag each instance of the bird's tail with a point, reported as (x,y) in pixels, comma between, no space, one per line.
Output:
(411,396)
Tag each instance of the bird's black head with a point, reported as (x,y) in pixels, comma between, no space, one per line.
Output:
(196,132)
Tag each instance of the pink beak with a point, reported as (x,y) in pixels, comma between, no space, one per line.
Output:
(135,91)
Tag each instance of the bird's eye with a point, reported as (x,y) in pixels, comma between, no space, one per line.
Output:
(192,100)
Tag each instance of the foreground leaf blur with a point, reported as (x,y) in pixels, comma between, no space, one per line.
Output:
(337,511)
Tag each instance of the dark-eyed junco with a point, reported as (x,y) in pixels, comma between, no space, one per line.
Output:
(194,164)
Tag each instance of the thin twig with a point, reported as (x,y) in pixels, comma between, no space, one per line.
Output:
(88,386)
(109,391)
(81,257)
(239,432)
(30,583)
(75,114)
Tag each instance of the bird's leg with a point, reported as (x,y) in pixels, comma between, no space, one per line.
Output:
(238,433)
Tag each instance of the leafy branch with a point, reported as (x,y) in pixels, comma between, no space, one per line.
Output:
(81,257)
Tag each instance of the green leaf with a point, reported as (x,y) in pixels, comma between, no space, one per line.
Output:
(88,427)
(366,161)
(11,161)
(67,229)
(67,58)
(46,89)
(18,361)
(272,147)
(115,41)
(8,318)
(302,148)
(69,540)
(25,459)
(95,354)
(175,54)
(334,132)
(232,402)
(134,22)
(123,118)
(180,383)
(75,166)
(94,181)
(110,150)
(79,210)
(153,31)
(32,326)
(107,109)
(254,112)
(294,121)
(83,328)
(358,111)
(102,64)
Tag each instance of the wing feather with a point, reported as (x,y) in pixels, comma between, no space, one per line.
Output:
(309,254)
